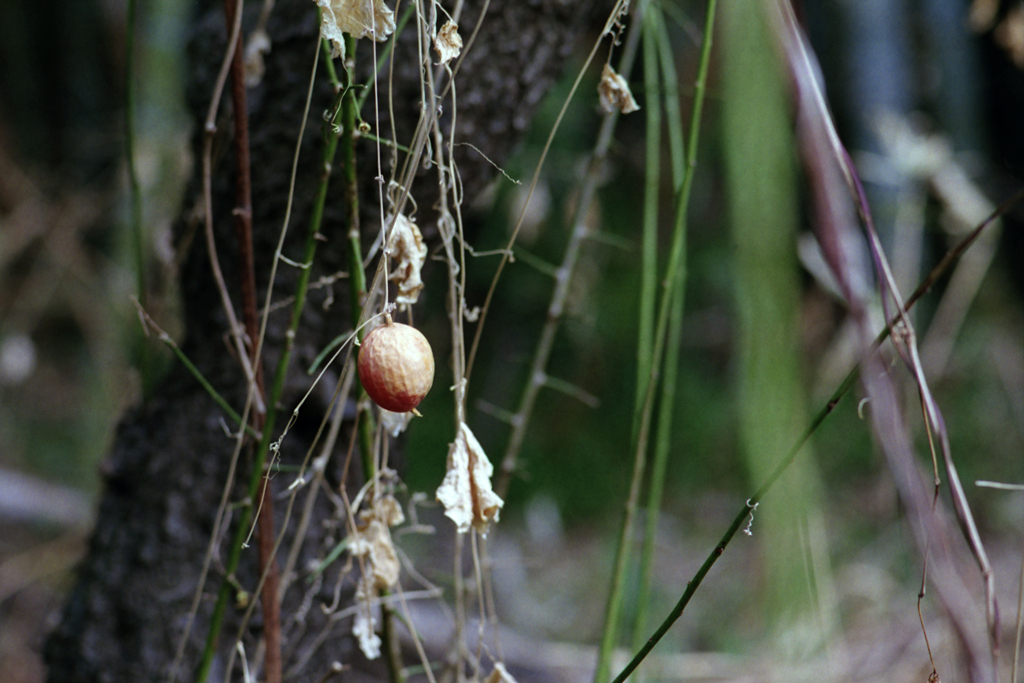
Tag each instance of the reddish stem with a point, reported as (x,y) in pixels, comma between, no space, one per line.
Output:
(247,274)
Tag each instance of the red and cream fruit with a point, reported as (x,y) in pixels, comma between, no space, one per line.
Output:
(396,366)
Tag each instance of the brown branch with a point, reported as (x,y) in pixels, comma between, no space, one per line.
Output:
(247,275)
(243,191)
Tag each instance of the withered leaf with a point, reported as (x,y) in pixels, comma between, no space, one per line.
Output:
(466,490)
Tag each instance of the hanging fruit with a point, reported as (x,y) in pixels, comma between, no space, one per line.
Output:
(396,366)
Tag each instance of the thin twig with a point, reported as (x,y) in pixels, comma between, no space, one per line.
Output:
(209,132)
(924,588)
(906,345)
(827,158)
(452,236)
(694,583)
(506,254)
(563,278)
(242,212)
(169,342)
(1020,622)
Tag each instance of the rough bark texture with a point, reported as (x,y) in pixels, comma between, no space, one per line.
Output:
(126,613)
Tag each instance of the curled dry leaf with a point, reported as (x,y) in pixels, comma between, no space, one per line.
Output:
(257,46)
(372,541)
(358,18)
(466,490)
(381,568)
(614,92)
(394,423)
(364,628)
(405,246)
(448,42)
(500,675)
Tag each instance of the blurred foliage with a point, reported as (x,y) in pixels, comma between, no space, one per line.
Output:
(68,334)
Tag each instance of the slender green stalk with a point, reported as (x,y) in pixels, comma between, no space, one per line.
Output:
(652,183)
(657,36)
(357,276)
(670,98)
(194,371)
(648,284)
(617,590)
(218,399)
(743,515)
(387,143)
(137,233)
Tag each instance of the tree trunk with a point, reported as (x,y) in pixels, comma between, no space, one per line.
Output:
(128,610)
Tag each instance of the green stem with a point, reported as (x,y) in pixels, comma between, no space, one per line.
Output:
(649,239)
(617,590)
(648,285)
(657,37)
(137,235)
(357,275)
(738,521)
(670,95)
(218,399)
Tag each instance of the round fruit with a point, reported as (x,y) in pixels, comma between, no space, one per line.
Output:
(396,366)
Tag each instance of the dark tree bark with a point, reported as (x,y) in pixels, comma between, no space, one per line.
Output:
(163,479)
